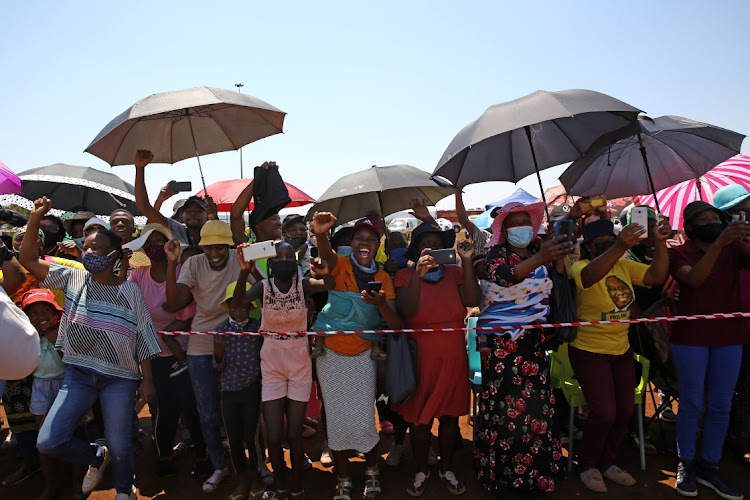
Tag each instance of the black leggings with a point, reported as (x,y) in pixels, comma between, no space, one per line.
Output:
(241,411)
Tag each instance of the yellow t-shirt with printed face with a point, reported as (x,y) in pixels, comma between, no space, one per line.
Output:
(609,299)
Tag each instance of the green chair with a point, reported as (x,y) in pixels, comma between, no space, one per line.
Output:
(564,379)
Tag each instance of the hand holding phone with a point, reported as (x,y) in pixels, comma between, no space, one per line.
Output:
(373,287)
(565,227)
(181,187)
(639,215)
(446,256)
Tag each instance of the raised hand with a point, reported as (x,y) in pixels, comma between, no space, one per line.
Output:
(172,249)
(663,229)
(425,263)
(555,249)
(322,222)
(143,157)
(630,236)
(319,266)
(419,209)
(166,191)
(41,207)
(212,211)
(465,249)
(734,231)
(245,265)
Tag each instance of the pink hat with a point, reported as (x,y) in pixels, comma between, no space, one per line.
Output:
(535,211)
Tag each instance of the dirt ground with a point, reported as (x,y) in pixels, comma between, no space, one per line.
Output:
(656,482)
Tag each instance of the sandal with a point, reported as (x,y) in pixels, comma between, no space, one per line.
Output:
(212,483)
(343,489)
(372,482)
(455,487)
(419,485)
(20,475)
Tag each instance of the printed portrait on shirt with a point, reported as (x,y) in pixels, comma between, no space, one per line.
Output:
(622,298)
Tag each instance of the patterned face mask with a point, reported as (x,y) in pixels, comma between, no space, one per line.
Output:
(95,264)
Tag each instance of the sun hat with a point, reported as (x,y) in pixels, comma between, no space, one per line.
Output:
(78,216)
(139,258)
(696,207)
(39,295)
(447,237)
(216,232)
(95,221)
(729,196)
(230,294)
(558,213)
(369,223)
(601,227)
(289,220)
(535,211)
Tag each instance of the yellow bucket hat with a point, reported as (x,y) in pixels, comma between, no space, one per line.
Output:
(230,294)
(216,232)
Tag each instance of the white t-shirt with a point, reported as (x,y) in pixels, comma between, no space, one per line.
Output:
(209,287)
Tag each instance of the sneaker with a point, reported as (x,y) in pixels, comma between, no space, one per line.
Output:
(166,468)
(455,487)
(619,476)
(394,454)
(668,416)
(685,484)
(201,469)
(416,489)
(432,458)
(124,496)
(95,474)
(178,368)
(708,475)
(326,458)
(592,479)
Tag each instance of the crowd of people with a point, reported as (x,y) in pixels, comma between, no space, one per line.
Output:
(99,298)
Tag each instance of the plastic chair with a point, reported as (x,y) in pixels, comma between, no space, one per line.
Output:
(475,366)
(564,379)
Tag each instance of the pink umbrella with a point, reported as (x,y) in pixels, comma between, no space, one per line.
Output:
(9,182)
(674,199)
(225,192)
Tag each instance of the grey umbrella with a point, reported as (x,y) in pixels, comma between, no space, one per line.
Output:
(185,123)
(515,139)
(73,188)
(649,155)
(384,190)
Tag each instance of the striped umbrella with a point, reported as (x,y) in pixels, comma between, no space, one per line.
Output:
(674,199)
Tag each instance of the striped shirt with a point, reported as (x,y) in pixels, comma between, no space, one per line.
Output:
(105,328)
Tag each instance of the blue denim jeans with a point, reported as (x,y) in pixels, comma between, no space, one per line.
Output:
(80,389)
(205,381)
(706,377)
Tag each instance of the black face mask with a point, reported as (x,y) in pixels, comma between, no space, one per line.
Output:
(707,232)
(602,246)
(296,242)
(284,270)
(50,237)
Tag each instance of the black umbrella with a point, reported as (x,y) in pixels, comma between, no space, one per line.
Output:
(515,139)
(73,189)
(650,155)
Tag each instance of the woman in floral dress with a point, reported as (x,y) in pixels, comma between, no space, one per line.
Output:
(518,447)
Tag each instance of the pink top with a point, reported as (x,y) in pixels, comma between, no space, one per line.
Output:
(283,312)
(156,295)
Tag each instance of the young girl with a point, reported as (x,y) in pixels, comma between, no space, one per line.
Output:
(284,359)
(238,360)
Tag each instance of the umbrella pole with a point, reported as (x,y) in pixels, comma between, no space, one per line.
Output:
(648,172)
(197,155)
(538,175)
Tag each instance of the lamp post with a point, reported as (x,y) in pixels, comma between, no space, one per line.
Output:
(239,89)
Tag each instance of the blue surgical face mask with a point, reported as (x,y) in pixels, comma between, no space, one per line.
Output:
(344,250)
(95,264)
(520,237)
(434,275)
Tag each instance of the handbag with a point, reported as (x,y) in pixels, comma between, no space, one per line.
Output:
(401,368)
(20,352)
(562,306)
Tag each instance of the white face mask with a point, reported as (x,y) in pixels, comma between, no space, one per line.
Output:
(521,236)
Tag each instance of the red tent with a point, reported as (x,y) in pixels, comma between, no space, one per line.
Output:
(224,193)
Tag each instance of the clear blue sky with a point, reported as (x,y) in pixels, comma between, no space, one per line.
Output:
(363,84)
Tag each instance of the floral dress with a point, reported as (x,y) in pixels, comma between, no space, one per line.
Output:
(518,442)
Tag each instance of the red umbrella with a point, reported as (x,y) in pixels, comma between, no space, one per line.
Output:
(224,193)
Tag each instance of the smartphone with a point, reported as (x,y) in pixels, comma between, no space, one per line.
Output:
(447,256)
(373,287)
(639,215)
(565,228)
(593,203)
(257,251)
(735,217)
(181,187)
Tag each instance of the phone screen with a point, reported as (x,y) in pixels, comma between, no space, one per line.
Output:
(565,228)
(374,287)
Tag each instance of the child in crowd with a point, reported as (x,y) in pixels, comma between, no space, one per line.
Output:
(284,359)
(237,357)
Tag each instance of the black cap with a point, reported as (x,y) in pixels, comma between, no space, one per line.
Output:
(601,227)
(292,219)
(696,207)
(196,200)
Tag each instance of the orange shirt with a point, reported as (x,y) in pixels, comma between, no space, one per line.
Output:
(351,345)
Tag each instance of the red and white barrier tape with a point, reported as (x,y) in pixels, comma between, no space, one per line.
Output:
(490,328)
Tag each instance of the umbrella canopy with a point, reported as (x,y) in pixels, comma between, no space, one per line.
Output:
(384,190)
(649,155)
(674,199)
(73,188)
(515,139)
(9,182)
(224,193)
